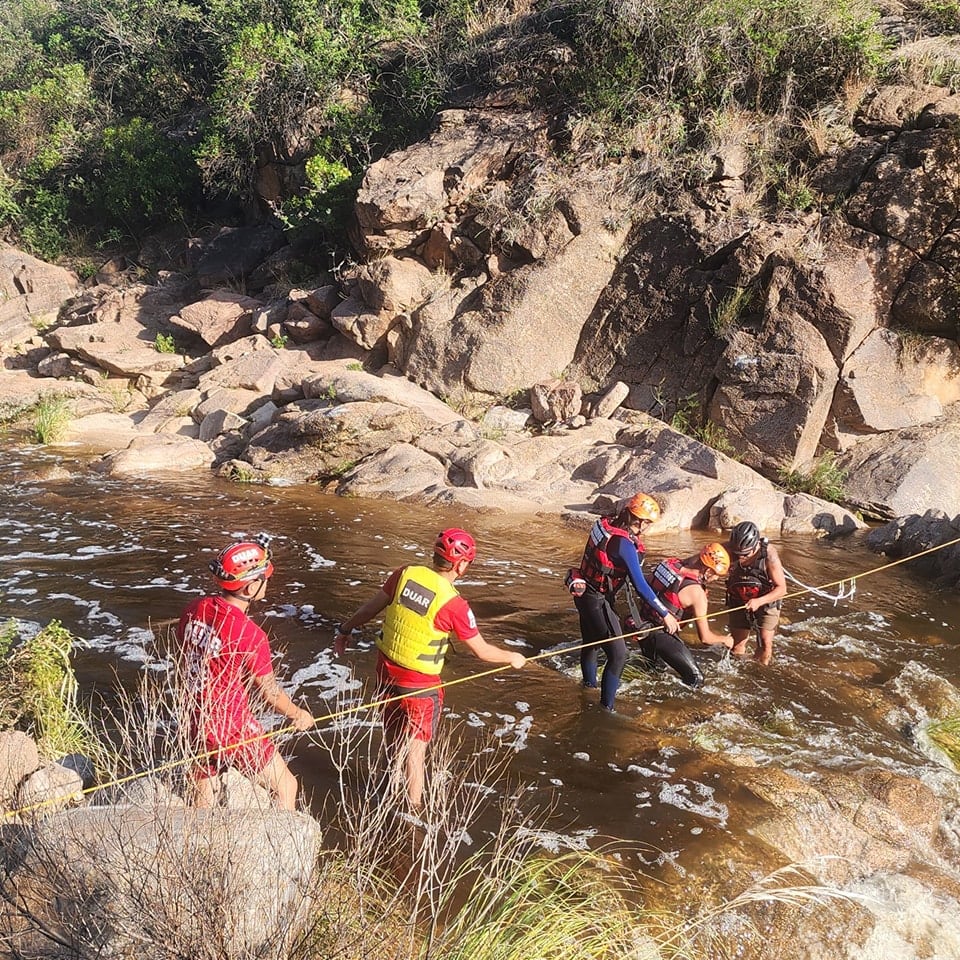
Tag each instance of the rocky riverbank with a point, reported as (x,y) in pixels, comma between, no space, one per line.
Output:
(441,369)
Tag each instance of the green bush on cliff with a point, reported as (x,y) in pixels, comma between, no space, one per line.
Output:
(762,54)
(114,112)
(824,479)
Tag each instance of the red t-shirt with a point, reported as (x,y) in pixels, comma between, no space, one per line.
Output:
(223,651)
(454,617)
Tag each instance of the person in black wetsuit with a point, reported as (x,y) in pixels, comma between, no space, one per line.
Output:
(679,584)
(613,555)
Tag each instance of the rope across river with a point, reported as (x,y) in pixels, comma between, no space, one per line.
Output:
(846,587)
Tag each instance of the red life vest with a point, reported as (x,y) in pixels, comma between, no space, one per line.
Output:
(596,567)
(746,583)
(666,581)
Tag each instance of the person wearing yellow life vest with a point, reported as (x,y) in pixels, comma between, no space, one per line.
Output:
(756,584)
(423,609)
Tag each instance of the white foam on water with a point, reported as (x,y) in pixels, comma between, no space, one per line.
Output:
(318,560)
(695,798)
(645,771)
(327,675)
(554,842)
(913,921)
(514,642)
(513,734)
(93,608)
(579,755)
(284,611)
(522,706)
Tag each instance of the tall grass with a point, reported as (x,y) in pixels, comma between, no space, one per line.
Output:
(50,418)
(38,690)
(946,735)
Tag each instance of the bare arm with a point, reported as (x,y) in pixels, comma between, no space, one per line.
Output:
(492,654)
(776,575)
(368,611)
(694,598)
(276,698)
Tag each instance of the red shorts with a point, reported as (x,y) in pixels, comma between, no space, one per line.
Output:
(246,750)
(416,714)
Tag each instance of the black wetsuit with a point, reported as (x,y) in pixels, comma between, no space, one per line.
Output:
(658,646)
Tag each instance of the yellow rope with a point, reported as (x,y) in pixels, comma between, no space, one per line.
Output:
(357,708)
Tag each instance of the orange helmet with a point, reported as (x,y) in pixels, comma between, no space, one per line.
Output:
(241,563)
(643,507)
(714,557)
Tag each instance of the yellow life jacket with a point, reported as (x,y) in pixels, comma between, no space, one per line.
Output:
(409,637)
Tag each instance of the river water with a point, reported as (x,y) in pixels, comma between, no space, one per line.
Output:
(851,685)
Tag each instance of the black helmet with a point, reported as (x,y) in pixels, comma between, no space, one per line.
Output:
(744,537)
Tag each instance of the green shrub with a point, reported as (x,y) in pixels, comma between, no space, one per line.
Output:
(45,223)
(39,689)
(824,480)
(164,343)
(146,175)
(729,310)
(946,735)
(703,54)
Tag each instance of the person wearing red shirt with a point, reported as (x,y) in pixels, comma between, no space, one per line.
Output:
(226,657)
(423,609)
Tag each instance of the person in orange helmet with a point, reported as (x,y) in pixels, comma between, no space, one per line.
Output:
(613,555)
(226,656)
(681,587)
(423,608)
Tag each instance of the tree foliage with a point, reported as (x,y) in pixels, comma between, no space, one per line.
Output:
(122,114)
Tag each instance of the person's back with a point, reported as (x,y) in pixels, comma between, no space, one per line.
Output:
(423,610)
(224,655)
(223,650)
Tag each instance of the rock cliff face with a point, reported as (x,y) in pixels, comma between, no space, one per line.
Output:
(494,272)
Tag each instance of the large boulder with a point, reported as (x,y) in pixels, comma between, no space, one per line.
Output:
(889,383)
(31,293)
(401,194)
(235,252)
(166,881)
(521,326)
(116,330)
(906,471)
(157,453)
(321,439)
(18,759)
(915,534)
(220,318)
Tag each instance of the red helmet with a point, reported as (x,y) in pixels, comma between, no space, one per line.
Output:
(454,545)
(240,563)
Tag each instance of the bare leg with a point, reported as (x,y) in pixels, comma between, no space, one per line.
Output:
(740,638)
(416,763)
(206,792)
(281,783)
(764,652)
